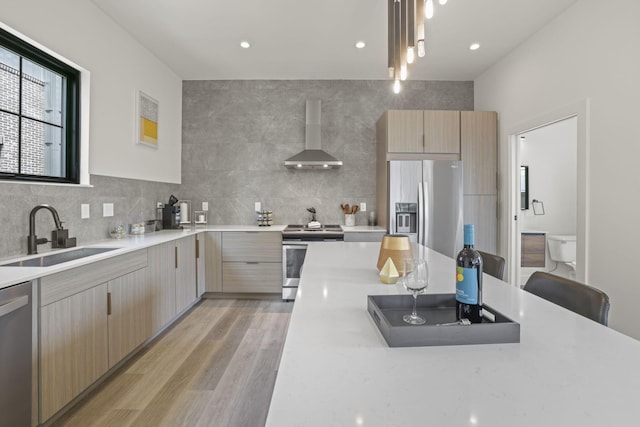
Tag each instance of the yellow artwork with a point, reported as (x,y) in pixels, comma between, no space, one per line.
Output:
(148,131)
(147,110)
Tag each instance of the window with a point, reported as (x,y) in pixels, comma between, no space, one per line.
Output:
(39,114)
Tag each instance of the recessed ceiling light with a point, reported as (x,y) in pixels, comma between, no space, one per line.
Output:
(360,44)
(474,46)
(245,45)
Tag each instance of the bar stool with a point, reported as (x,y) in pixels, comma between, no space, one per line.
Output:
(577,297)
(492,264)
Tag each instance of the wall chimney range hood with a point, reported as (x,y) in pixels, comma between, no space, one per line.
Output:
(313,157)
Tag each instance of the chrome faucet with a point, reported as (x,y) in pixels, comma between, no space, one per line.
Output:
(60,237)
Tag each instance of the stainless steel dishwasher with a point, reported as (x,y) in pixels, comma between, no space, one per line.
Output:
(15,355)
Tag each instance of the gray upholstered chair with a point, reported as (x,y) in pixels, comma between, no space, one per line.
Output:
(492,264)
(577,297)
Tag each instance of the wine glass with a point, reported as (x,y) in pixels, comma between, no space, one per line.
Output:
(415,280)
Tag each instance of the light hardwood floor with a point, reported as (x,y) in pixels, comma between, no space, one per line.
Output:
(215,367)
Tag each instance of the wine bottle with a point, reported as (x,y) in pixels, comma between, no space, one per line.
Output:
(469,279)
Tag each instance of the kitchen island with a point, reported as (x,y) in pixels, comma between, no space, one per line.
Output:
(337,370)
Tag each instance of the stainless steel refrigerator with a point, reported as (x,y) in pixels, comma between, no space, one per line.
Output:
(425,202)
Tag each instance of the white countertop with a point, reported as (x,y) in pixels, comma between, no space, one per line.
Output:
(364,229)
(278,228)
(337,370)
(12,275)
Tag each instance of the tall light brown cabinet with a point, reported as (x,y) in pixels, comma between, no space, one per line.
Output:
(479,153)
(470,136)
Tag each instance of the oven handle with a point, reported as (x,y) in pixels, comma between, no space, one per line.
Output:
(294,243)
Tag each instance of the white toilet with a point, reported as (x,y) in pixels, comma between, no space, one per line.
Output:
(562,248)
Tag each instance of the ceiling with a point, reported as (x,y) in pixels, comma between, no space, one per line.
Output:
(303,39)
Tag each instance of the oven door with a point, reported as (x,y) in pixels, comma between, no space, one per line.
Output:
(293,254)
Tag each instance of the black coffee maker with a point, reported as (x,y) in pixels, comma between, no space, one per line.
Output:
(171,214)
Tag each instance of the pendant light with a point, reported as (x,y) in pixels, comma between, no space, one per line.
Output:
(406,35)
(411,31)
(428,9)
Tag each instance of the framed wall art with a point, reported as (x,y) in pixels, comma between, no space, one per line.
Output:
(146,119)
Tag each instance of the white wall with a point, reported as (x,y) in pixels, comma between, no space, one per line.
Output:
(551,154)
(588,52)
(79,31)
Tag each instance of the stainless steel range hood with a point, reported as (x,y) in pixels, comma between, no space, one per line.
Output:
(313,157)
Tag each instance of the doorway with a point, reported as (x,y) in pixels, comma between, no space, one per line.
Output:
(579,113)
(547,221)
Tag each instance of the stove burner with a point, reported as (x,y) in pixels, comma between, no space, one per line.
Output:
(304,233)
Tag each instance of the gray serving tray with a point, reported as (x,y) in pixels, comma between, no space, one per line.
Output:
(387,312)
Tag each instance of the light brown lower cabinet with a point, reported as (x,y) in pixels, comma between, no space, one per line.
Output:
(162,280)
(185,271)
(92,317)
(201,277)
(213,261)
(253,277)
(532,250)
(73,347)
(129,312)
(251,261)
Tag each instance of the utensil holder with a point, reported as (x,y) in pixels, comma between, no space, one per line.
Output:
(349,220)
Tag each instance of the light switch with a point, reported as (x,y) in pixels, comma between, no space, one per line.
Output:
(363,206)
(258,207)
(205,206)
(84,211)
(107,209)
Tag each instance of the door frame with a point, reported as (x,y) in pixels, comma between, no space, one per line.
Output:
(580,110)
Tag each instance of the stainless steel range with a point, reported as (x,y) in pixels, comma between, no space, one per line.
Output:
(294,248)
(303,233)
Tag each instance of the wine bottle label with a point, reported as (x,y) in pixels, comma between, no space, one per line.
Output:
(467,285)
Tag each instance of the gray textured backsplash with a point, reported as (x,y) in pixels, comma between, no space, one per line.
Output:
(133,200)
(235,138)
(237,134)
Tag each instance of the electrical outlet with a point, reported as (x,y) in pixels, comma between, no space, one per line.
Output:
(84,211)
(107,209)
(205,206)
(363,207)
(258,206)
(159,205)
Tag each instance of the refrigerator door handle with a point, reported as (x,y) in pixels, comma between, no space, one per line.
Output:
(421,213)
(424,212)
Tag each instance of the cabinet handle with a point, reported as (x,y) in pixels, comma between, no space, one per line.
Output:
(197,248)
(108,303)
(252,262)
(176,255)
